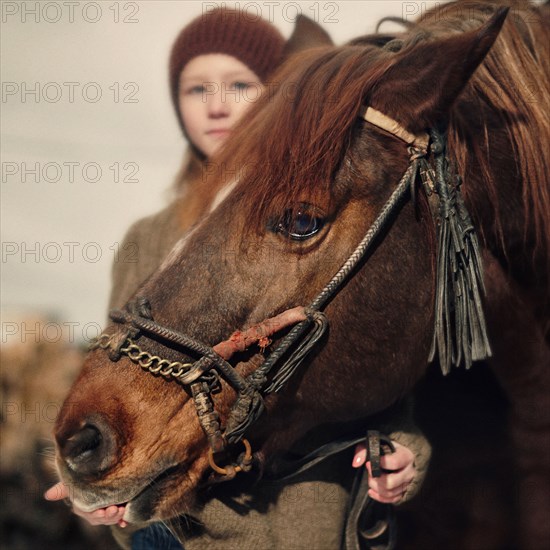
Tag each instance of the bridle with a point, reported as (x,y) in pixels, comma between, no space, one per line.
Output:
(459,336)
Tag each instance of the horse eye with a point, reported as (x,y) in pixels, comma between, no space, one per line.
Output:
(299,225)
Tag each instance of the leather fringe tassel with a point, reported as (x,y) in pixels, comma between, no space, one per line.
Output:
(460,334)
(320,325)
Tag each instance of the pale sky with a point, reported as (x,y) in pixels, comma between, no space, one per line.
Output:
(89,141)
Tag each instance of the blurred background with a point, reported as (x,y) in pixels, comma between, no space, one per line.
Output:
(89,144)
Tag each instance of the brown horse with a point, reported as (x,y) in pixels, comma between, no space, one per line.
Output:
(311,177)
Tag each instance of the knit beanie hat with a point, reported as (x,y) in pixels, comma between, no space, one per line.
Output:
(246,36)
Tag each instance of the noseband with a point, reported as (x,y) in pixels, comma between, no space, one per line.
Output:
(459,333)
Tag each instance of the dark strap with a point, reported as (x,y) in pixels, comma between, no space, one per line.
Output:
(369,524)
(286,469)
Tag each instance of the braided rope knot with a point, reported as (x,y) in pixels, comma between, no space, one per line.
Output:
(416,153)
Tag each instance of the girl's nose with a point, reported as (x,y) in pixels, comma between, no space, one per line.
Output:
(218,106)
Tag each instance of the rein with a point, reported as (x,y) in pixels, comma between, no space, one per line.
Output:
(459,335)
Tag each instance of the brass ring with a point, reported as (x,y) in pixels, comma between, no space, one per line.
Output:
(224,471)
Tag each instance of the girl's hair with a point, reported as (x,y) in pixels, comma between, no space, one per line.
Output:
(191,169)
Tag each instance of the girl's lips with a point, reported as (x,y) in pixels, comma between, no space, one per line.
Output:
(218,132)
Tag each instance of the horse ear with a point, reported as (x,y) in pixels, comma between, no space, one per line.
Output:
(307,34)
(420,87)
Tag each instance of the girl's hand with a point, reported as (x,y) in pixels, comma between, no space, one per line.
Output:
(398,471)
(111,515)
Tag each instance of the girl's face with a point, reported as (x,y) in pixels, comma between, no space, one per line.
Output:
(215,91)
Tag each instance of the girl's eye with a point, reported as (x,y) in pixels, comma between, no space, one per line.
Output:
(299,225)
(239,85)
(198,89)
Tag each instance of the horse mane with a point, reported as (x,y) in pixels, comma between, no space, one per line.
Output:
(293,141)
(510,90)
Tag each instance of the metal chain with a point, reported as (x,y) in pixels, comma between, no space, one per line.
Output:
(147,361)
(103,341)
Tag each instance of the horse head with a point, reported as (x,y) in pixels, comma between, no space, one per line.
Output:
(309,179)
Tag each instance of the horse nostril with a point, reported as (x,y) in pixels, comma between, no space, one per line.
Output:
(82,444)
(89,450)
